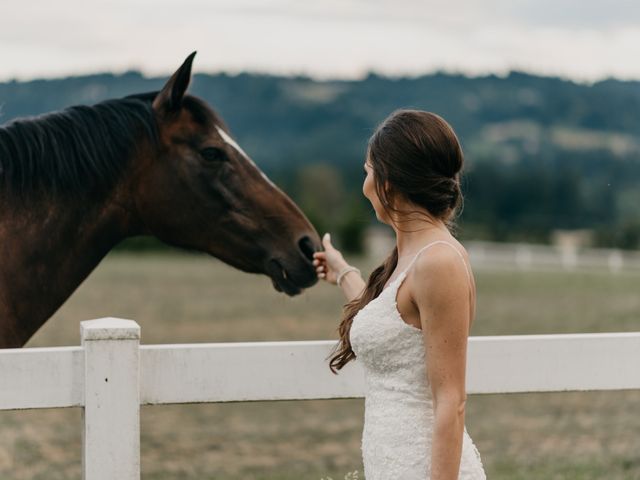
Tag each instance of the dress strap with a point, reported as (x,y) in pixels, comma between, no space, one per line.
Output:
(431,245)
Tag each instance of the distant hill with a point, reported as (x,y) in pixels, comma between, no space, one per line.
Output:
(541,152)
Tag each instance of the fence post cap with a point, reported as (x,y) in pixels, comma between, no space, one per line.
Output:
(109,328)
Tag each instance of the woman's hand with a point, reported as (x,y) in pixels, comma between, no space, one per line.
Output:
(329,262)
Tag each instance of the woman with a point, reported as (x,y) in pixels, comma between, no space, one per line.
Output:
(409,323)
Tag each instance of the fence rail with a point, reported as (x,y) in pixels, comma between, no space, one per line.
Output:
(110,375)
(526,256)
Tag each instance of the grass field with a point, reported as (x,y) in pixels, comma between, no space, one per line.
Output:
(185,298)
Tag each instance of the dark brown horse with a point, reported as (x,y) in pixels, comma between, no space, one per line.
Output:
(75,183)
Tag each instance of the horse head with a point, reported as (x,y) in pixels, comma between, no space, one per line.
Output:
(197,189)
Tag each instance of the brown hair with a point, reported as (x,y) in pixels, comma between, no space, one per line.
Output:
(420,157)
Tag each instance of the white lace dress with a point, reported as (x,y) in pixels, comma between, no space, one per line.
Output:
(398,419)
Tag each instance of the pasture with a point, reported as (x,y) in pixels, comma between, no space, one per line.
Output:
(191,298)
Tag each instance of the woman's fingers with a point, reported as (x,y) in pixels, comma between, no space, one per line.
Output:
(321,268)
(320,262)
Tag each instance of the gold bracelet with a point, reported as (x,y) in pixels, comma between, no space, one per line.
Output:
(344,271)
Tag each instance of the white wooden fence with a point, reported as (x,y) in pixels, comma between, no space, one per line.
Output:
(527,256)
(110,375)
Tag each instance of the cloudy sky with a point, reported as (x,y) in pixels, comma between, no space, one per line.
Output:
(584,40)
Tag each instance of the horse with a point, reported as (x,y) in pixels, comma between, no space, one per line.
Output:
(76,182)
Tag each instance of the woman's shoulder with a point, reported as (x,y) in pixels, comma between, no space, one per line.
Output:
(443,265)
(442,255)
(442,252)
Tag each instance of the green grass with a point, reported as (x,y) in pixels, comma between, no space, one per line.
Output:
(185,298)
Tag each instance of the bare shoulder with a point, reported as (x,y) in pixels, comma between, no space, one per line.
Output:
(441,273)
(442,258)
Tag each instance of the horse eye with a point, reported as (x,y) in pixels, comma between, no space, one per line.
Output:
(213,154)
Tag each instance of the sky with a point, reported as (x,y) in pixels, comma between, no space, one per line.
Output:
(582,40)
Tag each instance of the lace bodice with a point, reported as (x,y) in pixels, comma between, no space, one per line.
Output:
(398,420)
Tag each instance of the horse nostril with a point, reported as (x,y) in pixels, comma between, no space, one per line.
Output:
(306,245)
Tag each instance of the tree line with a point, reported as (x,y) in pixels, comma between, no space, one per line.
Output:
(542,153)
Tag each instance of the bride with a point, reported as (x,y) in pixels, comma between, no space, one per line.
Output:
(409,323)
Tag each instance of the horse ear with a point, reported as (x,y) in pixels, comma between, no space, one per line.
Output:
(169,99)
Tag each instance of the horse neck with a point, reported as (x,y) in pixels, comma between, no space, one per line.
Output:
(46,250)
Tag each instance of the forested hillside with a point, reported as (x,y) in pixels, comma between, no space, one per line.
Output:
(542,153)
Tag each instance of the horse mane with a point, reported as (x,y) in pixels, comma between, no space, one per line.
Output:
(78,150)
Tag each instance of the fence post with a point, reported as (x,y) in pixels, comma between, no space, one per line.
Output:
(615,261)
(111,415)
(569,257)
(524,257)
